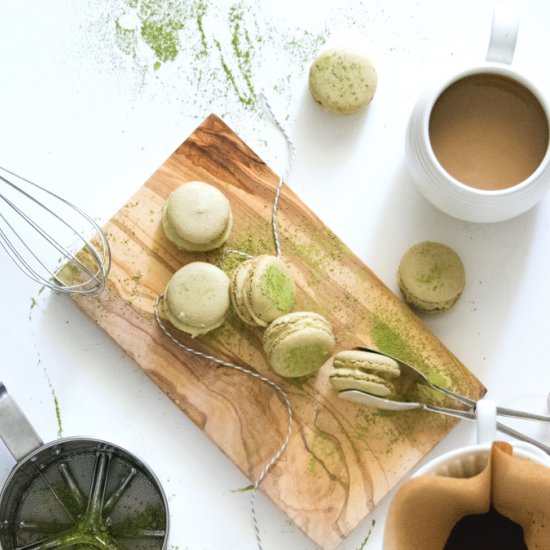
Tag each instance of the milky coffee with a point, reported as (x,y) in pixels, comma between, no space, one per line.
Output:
(488,131)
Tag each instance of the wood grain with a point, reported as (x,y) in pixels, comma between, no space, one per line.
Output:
(342,458)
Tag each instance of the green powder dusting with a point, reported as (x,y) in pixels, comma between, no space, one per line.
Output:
(200,12)
(366,539)
(278,288)
(390,341)
(55,400)
(217,53)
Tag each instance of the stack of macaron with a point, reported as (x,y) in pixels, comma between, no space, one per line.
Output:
(197,217)
(262,289)
(366,371)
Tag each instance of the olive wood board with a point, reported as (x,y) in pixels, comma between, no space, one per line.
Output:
(342,458)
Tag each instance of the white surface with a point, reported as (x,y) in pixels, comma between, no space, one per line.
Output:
(76,115)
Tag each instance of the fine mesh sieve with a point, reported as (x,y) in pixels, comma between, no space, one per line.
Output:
(77,493)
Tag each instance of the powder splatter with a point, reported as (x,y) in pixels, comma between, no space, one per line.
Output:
(55,399)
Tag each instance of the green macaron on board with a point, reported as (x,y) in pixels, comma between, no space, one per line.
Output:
(197,217)
(365,371)
(298,344)
(196,298)
(431,277)
(262,289)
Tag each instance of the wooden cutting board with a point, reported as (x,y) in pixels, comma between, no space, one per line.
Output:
(342,458)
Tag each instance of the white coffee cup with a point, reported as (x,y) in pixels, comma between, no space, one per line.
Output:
(469,461)
(442,189)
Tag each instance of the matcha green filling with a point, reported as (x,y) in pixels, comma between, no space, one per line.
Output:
(278,288)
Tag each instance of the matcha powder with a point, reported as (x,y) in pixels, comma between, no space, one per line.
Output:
(278,288)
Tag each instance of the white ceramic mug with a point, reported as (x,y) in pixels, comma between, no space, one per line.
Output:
(438,186)
(471,460)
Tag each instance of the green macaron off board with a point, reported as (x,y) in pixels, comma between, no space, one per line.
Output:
(342,80)
(431,277)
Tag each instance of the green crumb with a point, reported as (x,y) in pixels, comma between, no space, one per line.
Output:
(243,489)
(57,414)
(34,303)
(126,40)
(156,66)
(200,12)
(279,288)
(366,539)
(311,465)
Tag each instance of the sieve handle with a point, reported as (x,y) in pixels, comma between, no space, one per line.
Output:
(15,430)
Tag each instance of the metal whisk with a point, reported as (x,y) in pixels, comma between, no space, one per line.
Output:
(33,223)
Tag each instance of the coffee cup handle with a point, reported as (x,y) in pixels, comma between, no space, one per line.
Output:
(504,33)
(486,421)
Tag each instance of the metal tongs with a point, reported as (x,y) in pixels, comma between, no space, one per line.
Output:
(411,374)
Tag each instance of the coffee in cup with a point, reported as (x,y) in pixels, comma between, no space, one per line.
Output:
(477,143)
(488,131)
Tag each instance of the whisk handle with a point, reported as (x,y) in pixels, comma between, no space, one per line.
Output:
(15,430)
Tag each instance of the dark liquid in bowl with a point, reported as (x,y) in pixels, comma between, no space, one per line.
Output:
(490,531)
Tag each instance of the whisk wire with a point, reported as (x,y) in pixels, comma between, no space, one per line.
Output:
(91,277)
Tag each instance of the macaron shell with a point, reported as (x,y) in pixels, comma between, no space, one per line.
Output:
(301,353)
(270,291)
(431,277)
(342,80)
(284,327)
(370,362)
(196,298)
(189,329)
(184,244)
(353,379)
(298,344)
(237,293)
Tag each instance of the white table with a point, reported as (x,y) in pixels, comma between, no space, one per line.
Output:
(77,114)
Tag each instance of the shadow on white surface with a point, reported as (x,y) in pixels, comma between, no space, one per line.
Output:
(318,130)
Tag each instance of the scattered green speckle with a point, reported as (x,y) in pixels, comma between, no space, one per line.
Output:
(279,288)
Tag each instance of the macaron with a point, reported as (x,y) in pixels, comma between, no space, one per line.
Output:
(343,80)
(197,217)
(365,371)
(196,298)
(431,277)
(262,289)
(298,344)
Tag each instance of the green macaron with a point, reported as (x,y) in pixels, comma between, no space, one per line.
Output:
(262,289)
(196,298)
(431,277)
(197,217)
(365,371)
(342,80)
(298,344)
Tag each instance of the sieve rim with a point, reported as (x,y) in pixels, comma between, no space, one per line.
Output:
(32,456)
